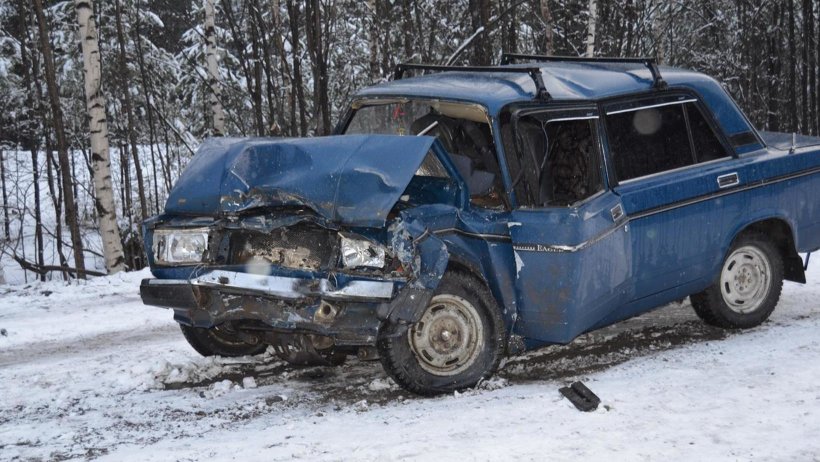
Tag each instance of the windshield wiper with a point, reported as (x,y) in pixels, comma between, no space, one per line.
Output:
(427,130)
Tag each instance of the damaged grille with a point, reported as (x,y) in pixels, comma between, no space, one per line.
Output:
(302,246)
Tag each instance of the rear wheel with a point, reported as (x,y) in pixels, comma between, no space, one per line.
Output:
(748,287)
(458,341)
(220,340)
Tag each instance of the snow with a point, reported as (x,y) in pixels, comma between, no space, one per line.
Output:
(87,372)
(519,264)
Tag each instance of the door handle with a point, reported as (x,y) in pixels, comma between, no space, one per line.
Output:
(728,180)
(617,212)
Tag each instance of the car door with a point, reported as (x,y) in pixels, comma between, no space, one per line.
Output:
(669,160)
(571,246)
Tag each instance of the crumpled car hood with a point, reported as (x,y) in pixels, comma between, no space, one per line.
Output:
(353,180)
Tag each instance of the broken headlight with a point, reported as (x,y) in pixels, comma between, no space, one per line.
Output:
(180,245)
(358,252)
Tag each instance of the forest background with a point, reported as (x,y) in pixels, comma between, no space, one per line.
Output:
(102,103)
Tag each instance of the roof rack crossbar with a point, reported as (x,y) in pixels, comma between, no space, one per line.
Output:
(533,72)
(657,79)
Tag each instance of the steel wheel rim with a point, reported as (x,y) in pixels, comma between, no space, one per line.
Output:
(746,278)
(449,337)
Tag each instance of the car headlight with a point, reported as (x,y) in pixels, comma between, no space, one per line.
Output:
(361,252)
(180,245)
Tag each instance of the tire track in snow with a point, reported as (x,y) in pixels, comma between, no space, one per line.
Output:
(55,350)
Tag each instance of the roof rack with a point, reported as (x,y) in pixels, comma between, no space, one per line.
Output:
(657,79)
(534,73)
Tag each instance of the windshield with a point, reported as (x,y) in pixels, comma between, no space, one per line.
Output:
(462,128)
(388,119)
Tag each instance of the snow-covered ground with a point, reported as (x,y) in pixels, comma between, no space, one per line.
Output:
(87,372)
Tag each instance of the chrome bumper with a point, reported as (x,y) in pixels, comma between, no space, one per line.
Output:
(289,288)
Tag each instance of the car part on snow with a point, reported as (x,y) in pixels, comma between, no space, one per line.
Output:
(581,397)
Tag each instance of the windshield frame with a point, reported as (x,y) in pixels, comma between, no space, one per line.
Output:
(358,103)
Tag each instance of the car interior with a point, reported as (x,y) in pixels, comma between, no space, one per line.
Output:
(463,130)
(558,162)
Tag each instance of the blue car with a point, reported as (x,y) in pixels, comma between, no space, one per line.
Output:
(468,213)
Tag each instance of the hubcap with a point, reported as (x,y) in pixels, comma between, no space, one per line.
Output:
(746,279)
(449,337)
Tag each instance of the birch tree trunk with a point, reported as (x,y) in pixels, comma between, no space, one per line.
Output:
(98,128)
(591,25)
(213,70)
(546,15)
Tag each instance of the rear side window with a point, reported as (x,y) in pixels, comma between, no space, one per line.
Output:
(706,143)
(649,140)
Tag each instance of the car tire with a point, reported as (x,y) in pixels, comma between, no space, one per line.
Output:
(219,341)
(458,341)
(747,288)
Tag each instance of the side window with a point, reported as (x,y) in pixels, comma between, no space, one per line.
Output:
(553,162)
(647,141)
(652,139)
(706,143)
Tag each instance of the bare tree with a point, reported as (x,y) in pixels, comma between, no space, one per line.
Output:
(62,144)
(278,42)
(293,15)
(6,219)
(591,26)
(480,18)
(34,105)
(792,82)
(546,15)
(98,128)
(373,39)
(129,112)
(318,57)
(213,71)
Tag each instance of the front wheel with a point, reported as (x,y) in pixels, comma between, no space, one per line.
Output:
(458,341)
(219,341)
(748,287)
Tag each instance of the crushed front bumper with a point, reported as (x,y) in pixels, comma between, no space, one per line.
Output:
(348,310)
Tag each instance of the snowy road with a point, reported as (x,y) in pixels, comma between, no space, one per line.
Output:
(87,372)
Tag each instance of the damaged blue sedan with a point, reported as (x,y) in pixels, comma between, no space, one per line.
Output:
(469,213)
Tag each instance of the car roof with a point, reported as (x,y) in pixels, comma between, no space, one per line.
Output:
(565,81)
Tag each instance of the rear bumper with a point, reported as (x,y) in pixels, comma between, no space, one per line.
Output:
(350,312)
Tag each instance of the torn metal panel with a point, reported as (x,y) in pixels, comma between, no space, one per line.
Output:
(420,250)
(353,180)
